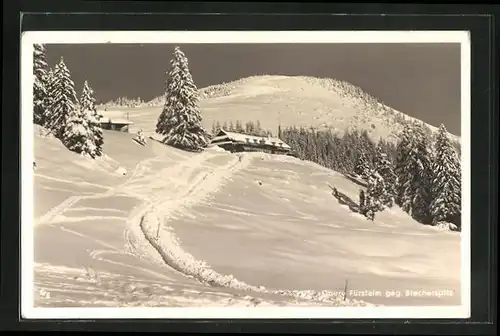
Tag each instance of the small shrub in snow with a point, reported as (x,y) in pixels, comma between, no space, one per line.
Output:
(445,226)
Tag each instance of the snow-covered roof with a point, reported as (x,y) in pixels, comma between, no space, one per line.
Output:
(108,111)
(116,121)
(246,138)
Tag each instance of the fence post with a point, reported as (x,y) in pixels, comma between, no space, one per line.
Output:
(345,290)
(158,231)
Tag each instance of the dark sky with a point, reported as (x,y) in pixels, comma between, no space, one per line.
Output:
(421,80)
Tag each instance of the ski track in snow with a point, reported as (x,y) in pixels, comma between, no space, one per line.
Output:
(70,182)
(167,244)
(179,186)
(69,202)
(170,198)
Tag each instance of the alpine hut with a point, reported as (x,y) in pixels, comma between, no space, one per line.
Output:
(239,142)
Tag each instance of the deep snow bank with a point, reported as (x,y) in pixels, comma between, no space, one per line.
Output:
(168,246)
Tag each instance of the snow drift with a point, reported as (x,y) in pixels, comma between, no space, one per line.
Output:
(168,246)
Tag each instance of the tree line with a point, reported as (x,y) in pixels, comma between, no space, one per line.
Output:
(125,102)
(56,107)
(420,174)
(250,128)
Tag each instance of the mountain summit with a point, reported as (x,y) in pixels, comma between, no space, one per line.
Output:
(303,102)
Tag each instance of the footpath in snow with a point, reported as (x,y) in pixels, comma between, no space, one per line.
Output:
(153,216)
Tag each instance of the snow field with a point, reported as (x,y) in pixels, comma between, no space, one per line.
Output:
(287,233)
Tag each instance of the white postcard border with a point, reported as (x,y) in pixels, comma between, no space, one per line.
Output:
(185,37)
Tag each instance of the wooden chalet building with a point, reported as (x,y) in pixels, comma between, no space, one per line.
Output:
(114,120)
(121,125)
(238,142)
(115,124)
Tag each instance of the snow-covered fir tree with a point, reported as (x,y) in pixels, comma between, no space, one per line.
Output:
(214,128)
(238,127)
(40,77)
(48,88)
(375,194)
(402,169)
(63,99)
(77,136)
(422,182)
(250,128)
(446,184)
(362,167)
(87,106)
(258,128)
(413,169)
(385,169)
(180,120)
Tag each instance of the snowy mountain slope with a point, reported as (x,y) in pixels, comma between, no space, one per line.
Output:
(284,229)
(287,233)
(300,101)
(89,250)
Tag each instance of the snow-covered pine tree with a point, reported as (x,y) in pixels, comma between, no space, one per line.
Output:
(362,167)
(403,171)
(95,138)
(180,120)
(367,146)
(375,193)
(76,135)
(413,169)
(48,101)
(385,169)
(40,74)
(446,184)
(239,127)
(421,163)
(63,96)
(214,128)
(248,127)
(258,128)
